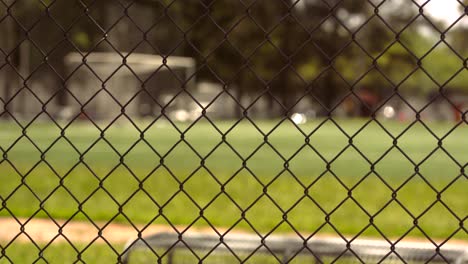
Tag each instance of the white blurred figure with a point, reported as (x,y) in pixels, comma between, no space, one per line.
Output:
(182,115)
(389,112)
(299,118)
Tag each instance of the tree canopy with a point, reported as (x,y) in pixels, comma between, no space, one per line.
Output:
(283,51)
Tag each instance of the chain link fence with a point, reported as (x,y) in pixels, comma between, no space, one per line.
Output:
(233,131)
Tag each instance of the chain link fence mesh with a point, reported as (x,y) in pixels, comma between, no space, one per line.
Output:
(284,123)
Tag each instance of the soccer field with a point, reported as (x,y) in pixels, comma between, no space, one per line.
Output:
(370,185)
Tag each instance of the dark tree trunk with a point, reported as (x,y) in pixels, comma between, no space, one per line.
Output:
(239,95)
(9,80)
(286,89)
(329,92)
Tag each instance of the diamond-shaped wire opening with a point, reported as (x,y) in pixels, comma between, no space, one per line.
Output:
(243,183)
(227,21)
(46,25)
(393,175)
(447,62)
(182,160)
(16,201)
(121,183)
(141,166)
(306,215)
(223,162)
(158,32)
(262,99)
(257,165)
(371,186)
(364,137)
(327,191)
(148,200)
(203,137)
(417,142)
(94,33)
(66,14)
(34,52)
(29,17)
(285,183)
(83,75)
(238,35)
(455,189)
(124,85)
(180,209)
(100,213)
(81,182)
(244,137)
(330,82)
(341,35)
(416,195)
(353,70)
(286,137)
(15,154)
(88,254)
(161,135)
(42,133)
(223,211)
(258,13)
(417,43)
(42,180)
(124,34)
(102,107)
(394,220)
(10,132)
(440,108)
(49,253)
(263,215)
(14,252)
(217,36)
(26,105)
(328,139)
(400,55)
(108,229)
(200,180)
(439,169)
(307,165)
(348,218)
(450,143)
(220,107)
(350,174)
(122,135)
(142,17)
(101,158)
(58,202)
(407,12)
(105,15)
(10,177)
(453,37)
(439,221)
(82,133)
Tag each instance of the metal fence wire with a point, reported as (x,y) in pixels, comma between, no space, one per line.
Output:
(233,131)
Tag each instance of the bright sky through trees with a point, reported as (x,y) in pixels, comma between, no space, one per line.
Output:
(446,10)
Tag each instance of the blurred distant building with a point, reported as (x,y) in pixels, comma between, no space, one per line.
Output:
(108,85)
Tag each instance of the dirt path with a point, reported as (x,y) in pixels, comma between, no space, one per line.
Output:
(46,230)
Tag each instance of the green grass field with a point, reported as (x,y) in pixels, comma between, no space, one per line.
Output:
(284,184)
(60,253)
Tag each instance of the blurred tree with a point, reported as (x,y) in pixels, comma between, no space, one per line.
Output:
(279,51)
